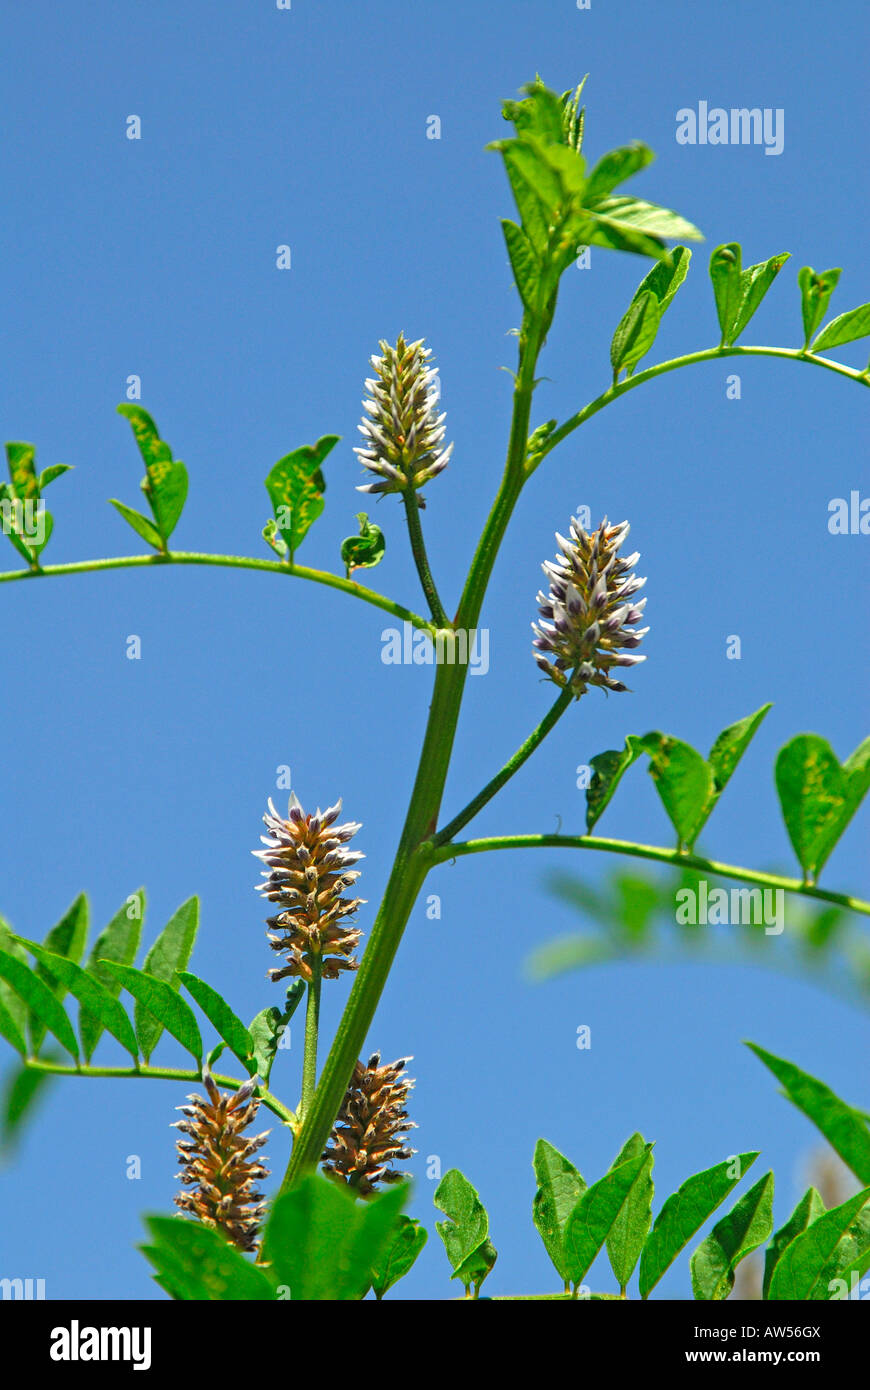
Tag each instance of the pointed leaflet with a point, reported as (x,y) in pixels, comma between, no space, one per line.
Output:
(845,1128)
(467,1225)
(406,1242)
(684,1213)
(12,1007)
(219,1013)
(684,782)
(141,525)
(560,1187)
(746,1226)
(365,550)
(607,770)
(614,168)
(44,1010)
(754,284)
(809,1209)
(67,938)
(818,796)
(119,941)
(846,328)
(90,993)
(818,1255)
(739,292)
(472,1272)
(23,1089)
(165,481)
(524,264)
(323,1245)
(635,332)
(666,276)
(267,1027)
(170,952)
(597,1211)
(629,1231)
(729,748)
(160,1002)
(296,486)
(816,291)
(196,1263)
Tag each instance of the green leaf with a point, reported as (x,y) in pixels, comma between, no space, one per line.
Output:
(23,1089)
(472,1272)
(729,748)
(165,481)
(666,276)
(644,219)
(54,470)
(10,1031)
(614,168)
(816,1256)
(92,995)
(269,1024)
(809,1209)
(141,525)
(560,1187)
(20,458)
(597,1211)
(540,113)
(170,953)
(274,539)
(119,941)
(524,264)
(11,1003)
(818,796)
(407,1241)
(467,1225)
(635,332)
(44,1008)
(607,770)
(746,1226)
(219,1013)
(725,263)
(754,284)
(161,1002)
(535,213)
(684,782)
(846,328)
(626,1236)
(67,939)
(684,1213)
(816,291)
(323,1245)
(365,550)
(844,1127)
(296,486)
(196,1263)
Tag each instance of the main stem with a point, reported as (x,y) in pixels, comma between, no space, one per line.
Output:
(414,854)
(312,1027)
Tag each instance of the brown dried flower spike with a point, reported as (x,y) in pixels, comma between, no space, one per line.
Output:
(370,1131)
(218,1162)
(308,869)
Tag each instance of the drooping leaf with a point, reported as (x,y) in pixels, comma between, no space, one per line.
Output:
(467,1224)
(22,1091)
(269,1024)
(816,291)
(219,1013)
(596,1214)
(607,771)
(394,1263)
(195,1262)
(684,1213)
(817,1256)
(560,1187)
(323,1245)
(684,782)
(746,1226)
(844,1127)
(365,550)
(846,328)
(161,1002)
(635,332)
(92,995)
(296,486)
(43,1007)
(524,264)
(818,796)
(119,941)
(141,525)
(165,482)
(626,1236)
(809,1209)
(169,954)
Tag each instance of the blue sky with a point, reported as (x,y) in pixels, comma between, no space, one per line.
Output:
(156,257)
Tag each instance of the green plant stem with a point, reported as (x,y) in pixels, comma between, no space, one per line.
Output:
(421,559)
(525,751)
(312,1027)
(659,853)
(163,1074)
(706,355)
(414,855)
(245,562)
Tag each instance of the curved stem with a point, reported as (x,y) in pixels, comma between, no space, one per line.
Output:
(513,764)
(186,557)
(706,355)
(659,853)
(421,559)
(164,1074)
